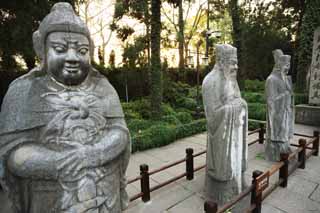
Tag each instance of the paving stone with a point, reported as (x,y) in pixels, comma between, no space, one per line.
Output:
(301,186)
(315,196)
(161,200)
(267,208)
(292,202)
(192,204)
(195,185)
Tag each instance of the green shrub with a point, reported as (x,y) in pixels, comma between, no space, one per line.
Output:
(188,103)
(130,114)
(142,141)
(254,86)
(135,125)
(253,125)
(167,110)
(184,117)
(171,119)
(155,136)
(257,111)
(161,134)
(253,97)
(300,98)
(191,128)
(141,106)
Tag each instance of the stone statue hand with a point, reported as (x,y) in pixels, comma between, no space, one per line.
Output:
(71,163)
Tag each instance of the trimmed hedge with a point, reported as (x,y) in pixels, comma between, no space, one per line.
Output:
(254,86)
(163,134)
(257,111)
(300,98)
(253,97)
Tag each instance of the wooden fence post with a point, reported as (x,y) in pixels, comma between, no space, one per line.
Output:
(315,145)
(261,133)
(284,170)
(189,164)
(302,153)
(145,185)
(256,197)
(210,207)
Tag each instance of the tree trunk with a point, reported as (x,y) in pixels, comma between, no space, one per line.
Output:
(30,61)
(156,74)
(236,37)
(147,23)
(295,60)
(181,37)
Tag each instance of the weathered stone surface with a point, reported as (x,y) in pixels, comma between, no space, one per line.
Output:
(307,114)
(226,114)
(280,108)
(64,144)
(314,82)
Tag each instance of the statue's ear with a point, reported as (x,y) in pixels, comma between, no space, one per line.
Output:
(37,44)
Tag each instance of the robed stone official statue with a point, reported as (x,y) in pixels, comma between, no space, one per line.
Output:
(226,113)
(64,144)
(280,108)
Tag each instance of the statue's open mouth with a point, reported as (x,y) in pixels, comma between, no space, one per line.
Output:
(71,69)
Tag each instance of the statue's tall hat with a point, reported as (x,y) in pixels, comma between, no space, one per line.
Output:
(61,18)
(225,52)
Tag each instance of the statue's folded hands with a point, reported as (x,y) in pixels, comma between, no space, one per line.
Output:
(90,156)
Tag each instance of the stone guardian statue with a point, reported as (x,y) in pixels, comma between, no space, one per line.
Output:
(226,113)
(280,108)
(64,144)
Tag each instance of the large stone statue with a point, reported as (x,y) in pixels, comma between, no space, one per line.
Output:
(64,144)
(226,114)
(280,113)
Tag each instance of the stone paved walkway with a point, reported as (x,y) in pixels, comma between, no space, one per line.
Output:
(301,195)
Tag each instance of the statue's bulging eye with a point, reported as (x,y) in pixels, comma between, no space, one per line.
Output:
(83,51)
(59,49)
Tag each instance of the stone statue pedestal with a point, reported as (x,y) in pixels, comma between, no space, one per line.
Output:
(307,114)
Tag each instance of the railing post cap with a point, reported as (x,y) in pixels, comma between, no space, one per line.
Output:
(189,150)
(210,206)
(284,156)
(144,167)
(256,173)
(302,141)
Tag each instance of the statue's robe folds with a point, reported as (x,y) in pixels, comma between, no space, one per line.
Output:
(39,111)
(280,115)
(226,115)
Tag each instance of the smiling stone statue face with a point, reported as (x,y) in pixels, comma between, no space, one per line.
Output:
(68,58)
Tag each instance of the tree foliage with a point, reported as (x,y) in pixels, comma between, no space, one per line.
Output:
(310,21)
(18,20)
(138,10)
(265,27)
